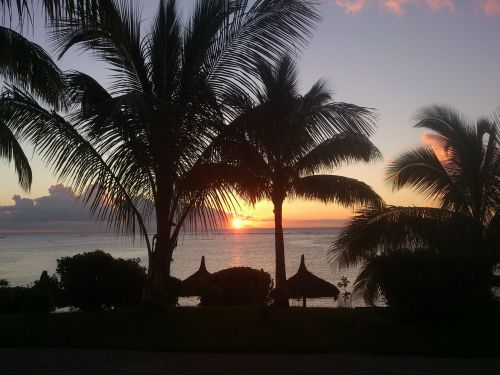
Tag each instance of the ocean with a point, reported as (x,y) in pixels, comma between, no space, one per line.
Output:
(23,256)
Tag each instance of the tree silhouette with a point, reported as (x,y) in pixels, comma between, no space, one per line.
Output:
(459,171)
(286,138)
(142,143)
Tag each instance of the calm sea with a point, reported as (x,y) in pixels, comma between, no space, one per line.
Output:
(23,256)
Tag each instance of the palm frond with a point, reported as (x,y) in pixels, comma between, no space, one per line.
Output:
(84,91)
(421,169)
(341,190)
(445,121)
(490,167)
(27,65)
(111,31)
(375,230)
(314,113)
(53,8)
(164,50)
(57,9)
(339,117)
(265,30)
(459,140)
(225,178)
(367,283)
(74,160)
(336,151)
(10,149)
(22,8)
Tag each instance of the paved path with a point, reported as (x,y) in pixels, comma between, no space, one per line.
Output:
(58,361)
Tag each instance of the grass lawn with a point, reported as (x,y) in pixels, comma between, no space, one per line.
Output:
(367,330)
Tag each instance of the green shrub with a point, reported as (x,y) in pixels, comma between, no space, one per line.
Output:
(96,280)
(236,287)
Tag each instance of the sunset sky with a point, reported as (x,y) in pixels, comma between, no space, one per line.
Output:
(392,55)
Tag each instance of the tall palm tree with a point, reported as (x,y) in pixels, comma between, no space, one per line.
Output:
(142,143)
(459,172)
(286,138)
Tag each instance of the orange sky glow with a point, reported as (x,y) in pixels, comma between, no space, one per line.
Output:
(391,55)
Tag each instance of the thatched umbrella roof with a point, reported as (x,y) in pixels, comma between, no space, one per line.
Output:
(190,285)
(305,284)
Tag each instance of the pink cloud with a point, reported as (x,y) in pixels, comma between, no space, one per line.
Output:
(489,7)
(396,7)
(352,6)
(437,5)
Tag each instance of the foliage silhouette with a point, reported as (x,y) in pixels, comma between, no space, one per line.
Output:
(96,280)
(343,284)
(460,171)
(286,139)
(20,299)
(49,285)
(236,286)
(142,143)
(423,280)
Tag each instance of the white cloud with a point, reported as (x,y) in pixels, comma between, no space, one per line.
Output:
(58,210)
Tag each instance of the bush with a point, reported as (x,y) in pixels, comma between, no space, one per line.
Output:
(43,296)
(426,280)
(22,300)
(49,286)
(236,287)
(96,280)
(169,295)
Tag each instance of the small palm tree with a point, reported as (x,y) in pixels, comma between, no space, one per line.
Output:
(460,172)
(287,138)
(143,142)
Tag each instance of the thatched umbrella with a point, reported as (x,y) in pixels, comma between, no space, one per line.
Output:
(304,285)
(190,285)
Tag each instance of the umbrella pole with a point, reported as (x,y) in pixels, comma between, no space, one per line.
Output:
(304,303)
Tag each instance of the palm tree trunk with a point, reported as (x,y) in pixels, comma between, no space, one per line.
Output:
(281,295)
(157,293)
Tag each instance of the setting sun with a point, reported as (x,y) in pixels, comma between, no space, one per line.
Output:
(236,223)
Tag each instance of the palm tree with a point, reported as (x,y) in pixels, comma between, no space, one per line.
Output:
(142,144)
(459,171)
(286,138)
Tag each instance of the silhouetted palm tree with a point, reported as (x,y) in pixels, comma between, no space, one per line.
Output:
(142,144)
(459,171)
(286,138)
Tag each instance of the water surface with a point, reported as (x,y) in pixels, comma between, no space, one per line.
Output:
(23,256)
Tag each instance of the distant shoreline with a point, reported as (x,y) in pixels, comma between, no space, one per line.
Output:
(5,232)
